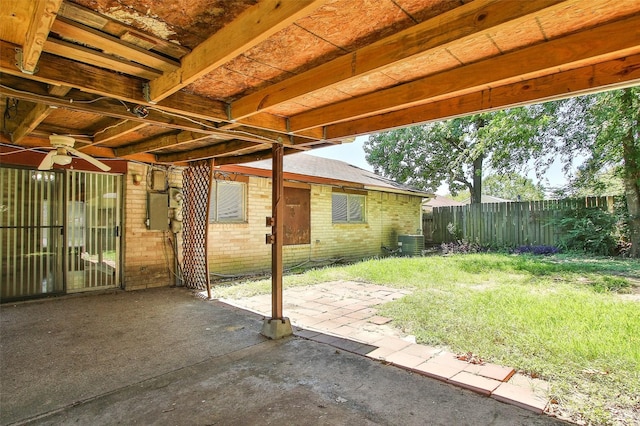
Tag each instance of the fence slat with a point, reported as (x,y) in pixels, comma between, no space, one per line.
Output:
(507,224)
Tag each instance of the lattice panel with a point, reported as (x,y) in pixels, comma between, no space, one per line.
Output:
(196,187)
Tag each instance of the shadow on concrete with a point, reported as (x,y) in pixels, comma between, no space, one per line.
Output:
(165,356)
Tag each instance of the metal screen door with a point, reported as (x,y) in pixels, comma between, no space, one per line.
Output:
(92,230)
(31,241)
(59,232)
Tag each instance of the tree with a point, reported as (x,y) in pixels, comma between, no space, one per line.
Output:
(456,151)
(602,183)
(603,129)
(512,186)
(610,137)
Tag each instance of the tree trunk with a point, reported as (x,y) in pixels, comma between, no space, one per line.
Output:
(476,190)
(631,158)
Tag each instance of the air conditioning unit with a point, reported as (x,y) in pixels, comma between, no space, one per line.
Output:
(411,245)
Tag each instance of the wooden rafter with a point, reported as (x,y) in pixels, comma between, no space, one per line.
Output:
(75,31)
(55,70)
(477,18)
(58,90)
(607,41)
(161,142)
(222,148)
(36,115)
(284,73)
(254,156)
(252,27)
(42,19)
(110,108)
(119,129)
(603,76)
(106,107)
(93,57)
(120,30)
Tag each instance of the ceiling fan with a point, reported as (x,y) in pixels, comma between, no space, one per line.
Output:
(60,155)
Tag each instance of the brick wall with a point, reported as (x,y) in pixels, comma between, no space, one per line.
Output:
(147,254)
(240,248)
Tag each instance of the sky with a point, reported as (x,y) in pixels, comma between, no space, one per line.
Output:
(353,153)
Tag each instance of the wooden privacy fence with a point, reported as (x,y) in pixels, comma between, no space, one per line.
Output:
(504,224)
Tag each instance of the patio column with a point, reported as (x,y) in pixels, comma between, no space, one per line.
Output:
(277,326)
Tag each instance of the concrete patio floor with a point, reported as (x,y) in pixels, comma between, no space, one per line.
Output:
(166,356)
(343,314)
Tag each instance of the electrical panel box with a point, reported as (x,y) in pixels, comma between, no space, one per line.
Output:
(158,211)
(158,180)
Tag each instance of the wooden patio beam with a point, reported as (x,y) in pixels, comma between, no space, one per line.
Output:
(59,71)
(34,117)
(222,148)
(120,128)
(254,156)
(42,18)
(93,57)
(55,70)
(252,27)
(472,19)
(100,40)
(607,75)
(161,142)
(79,101)
(606,42)
(37,114)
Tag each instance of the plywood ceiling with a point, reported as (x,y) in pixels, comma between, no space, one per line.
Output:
(171,82)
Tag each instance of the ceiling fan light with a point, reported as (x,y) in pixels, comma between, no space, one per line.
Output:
(60,140)
(62,160)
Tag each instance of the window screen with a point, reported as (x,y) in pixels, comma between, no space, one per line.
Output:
(348,208)
(227,202)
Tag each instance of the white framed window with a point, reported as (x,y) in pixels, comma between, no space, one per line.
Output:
(228,202)
(348,208)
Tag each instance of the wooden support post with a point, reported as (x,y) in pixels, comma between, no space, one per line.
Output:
(277,326)
(277,197)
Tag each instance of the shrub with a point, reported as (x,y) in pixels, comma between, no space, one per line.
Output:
(621,229)
(588,230)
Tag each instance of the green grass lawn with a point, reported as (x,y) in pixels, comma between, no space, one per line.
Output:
(560,318)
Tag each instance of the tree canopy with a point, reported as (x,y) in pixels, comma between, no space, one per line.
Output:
(512,186)
(602,131)
(456,151)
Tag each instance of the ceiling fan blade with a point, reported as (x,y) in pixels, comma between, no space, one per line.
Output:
(47,161)
(99,164)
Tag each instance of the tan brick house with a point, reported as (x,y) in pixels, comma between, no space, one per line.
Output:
(333,211)
(73,230)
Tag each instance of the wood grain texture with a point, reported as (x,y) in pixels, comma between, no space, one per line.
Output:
(252,27)
(608,41)
(608,75)
(44,14)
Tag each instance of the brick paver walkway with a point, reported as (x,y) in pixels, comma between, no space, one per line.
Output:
(343,314)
